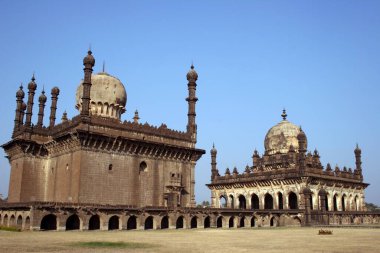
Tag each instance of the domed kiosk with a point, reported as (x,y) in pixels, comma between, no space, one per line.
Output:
(108,96)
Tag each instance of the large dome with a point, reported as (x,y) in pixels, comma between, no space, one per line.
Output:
(281,137)
(108,96)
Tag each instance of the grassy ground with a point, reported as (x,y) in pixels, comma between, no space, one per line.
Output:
(196,240)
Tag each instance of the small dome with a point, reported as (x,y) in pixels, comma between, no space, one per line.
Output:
(89,59)
(32,85)
(108,96)
(281,137)
(192,75)
(42,98)
(213,150)
(20,93)
(55,91)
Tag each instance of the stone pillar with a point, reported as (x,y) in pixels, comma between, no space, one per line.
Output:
(88,62)
(192,77)
(32,86)
(53,108)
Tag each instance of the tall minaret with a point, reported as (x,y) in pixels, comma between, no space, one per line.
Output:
(19,97)
(192,77)
(88,62)
(32,86)
(302,149)
(53,108)
(42,100)
(214,170)
(358,161)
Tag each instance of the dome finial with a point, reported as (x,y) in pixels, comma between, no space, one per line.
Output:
(284,115)
(104,66)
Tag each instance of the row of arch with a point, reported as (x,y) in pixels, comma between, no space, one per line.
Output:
(338,203)
(73,222)
(11,221)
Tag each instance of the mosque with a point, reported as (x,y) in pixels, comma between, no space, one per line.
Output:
(97,172)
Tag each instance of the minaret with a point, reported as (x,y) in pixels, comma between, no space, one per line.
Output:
(214,170)
(88,62)
(192,77)
(136,117)
(32,86)
(42,100)
(358,161)
(302,148)
(19,101)
(22,113)
(53,108)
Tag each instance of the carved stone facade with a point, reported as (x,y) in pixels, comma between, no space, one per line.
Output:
(94,171)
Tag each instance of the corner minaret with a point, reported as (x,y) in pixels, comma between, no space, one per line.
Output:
(32,86)
(358,161)
(192,77)
(19,101)
(214,170)
(42,100)
(53,108)
(88,62)
(302,149)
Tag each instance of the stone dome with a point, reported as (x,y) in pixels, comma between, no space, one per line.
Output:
(281,137)
(108,96)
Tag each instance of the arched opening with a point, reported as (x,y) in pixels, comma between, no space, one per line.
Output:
(255,202)
(19,221)
(242,222)
(49,222)
(335,203)
(232,205)
(297,221)
(148,223)
(253,221)
(5,221)
(280,201)
(344,202)
(207,222)
(311,202)
(27,223)
(222,202)
(12,221)
(193,222)
(143,167)
(165,222)
(327,202)
(132,223)
(356,203)
(272,222)
(73,222)
(242,202)
(268,201)
(293,202)
(1,221)
(231,222)
(219,222)
(113,223)
(94,222)
(179,223)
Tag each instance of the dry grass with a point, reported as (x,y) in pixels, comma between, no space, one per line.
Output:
(195,240)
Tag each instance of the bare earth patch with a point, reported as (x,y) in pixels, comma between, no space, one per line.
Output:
(195,240)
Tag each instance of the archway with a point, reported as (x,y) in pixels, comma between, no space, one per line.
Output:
(253,221)
(27,223)
(356,203)
(255,202)
(232,205)
(5,220)
(207,222)
(165,222)
(242,202)
(222,202)
(242,222)
(280,201)
(327,202)
(297,221)
(344,202)
(311,202)
(19,221)
(94,222)
(113,223)
(179,223)
(12,221)
(273,222)
(219,222)
(335,202)
(193,222)
(148,223)
(268,201)
(231,222)
(73,222)
(49,222)
(132,223)
(293,202)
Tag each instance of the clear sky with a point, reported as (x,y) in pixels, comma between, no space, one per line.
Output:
(318,59)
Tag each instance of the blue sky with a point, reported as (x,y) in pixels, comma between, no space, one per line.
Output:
(318,59)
